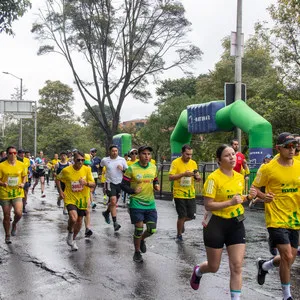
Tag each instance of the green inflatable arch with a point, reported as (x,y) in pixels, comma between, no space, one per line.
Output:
(237,114)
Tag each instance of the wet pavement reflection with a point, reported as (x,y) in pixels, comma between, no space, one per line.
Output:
(39,264)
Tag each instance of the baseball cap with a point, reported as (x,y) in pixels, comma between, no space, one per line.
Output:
(21,151)
(132,150)
(93,150)
(285,138)
(142,148)
(269,156)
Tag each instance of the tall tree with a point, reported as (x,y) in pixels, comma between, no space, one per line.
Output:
(124,43)
(56,98)
(10,11)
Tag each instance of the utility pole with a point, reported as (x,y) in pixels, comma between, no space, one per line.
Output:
(238,64)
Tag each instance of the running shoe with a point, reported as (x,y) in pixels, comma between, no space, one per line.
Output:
(74,246)
(261,274)
(143,246)
(105,214)
(7,240)
(32,191)
(117,226)
(88,232)
(195,280)
(70,239)
(43,195)
(93,205)
(137,257)
(179,239)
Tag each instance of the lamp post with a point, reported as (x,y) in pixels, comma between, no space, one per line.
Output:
(21,96)
(238,63)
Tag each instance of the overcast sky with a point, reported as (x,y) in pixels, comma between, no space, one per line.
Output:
(212,20)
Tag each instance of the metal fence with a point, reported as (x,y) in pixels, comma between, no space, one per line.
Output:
(204,168)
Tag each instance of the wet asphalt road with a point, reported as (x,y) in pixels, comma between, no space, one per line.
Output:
(39,263)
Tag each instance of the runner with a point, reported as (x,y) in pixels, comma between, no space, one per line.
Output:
(184,172)
(281,197)
(140,180)
(63,163)
(87,218)
(78,180)
(26,161)
(223,224)
(13,176)
(115,166)
(39,174)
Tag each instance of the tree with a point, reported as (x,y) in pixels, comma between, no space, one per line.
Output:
(55,101)
(178,87)
(124,43)
(161,123)
(11,11)
(284,40)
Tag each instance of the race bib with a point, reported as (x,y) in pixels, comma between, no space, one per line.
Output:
(46,171)
(186,181)
(95,175)
(12,181)
(76,186)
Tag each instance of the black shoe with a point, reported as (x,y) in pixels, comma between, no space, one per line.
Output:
(289,298)
(117,226)
(137,257)
(261,274)
(105,214)
(88,232)
(143,246)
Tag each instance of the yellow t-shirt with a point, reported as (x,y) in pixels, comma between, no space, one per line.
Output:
(54,162)
(221,188)
(26,162)
(130,162)
(13,176)
(284,182)
(297,157)
(183,187)
(75,193)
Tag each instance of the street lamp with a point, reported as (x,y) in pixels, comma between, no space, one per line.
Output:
(21,95)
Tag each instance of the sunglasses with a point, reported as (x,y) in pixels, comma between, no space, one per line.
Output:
(290,145)
(79,160)
(13,152)
(133,153)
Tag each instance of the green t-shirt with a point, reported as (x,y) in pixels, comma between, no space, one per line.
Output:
(142,177)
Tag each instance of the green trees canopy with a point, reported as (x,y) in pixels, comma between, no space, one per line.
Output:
(11,11)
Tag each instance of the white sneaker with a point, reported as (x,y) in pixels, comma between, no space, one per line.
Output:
(70,239)
(74,246)
(43,195)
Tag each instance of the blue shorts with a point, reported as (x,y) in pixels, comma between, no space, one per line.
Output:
(142,215)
